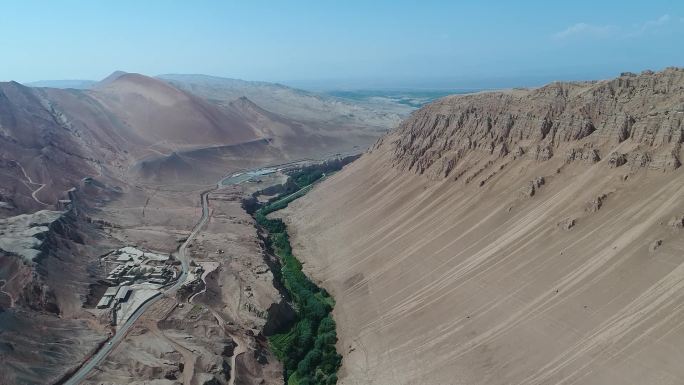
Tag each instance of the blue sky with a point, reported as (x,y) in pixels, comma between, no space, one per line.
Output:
(349,44)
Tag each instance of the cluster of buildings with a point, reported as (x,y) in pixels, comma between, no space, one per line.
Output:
(134,265)
(130,273)
(134,268)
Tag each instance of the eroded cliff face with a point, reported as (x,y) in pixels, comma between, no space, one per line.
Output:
(522,237)
(575,121)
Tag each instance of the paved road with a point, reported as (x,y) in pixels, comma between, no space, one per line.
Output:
(95,360)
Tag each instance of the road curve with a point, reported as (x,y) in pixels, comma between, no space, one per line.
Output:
(121,332)
(28,178)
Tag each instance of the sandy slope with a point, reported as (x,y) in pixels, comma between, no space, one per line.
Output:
(159,114)
(452,282)
(484,295)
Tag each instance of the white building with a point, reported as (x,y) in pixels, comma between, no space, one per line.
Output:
(111,291)
(105,301)
(123,293)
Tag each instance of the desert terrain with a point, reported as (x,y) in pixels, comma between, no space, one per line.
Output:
(123,164)
(341,193)
(525,236)
(519,237)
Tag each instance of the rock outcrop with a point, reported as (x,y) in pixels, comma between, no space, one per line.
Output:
(596,203)
(533,186)
(567,224)
(47,262)
(24,234)
(642,114)
(677,222)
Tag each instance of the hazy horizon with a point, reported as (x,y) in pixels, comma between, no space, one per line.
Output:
(351,45)
(445,84)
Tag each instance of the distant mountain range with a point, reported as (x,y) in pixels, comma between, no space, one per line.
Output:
(75,84)
(165,128)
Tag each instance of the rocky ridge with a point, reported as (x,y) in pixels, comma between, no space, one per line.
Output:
(23,234)
(47,262)
(634,119)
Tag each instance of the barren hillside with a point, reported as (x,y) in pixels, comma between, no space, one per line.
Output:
(130,126)
(301,124)
(166,117)
(290,102)
(520,237)
(44,151)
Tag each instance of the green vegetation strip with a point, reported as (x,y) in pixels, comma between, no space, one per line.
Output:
(307,350)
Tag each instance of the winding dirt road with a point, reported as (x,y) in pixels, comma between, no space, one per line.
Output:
(30,181)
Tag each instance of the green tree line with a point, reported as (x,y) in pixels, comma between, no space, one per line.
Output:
(307,350)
